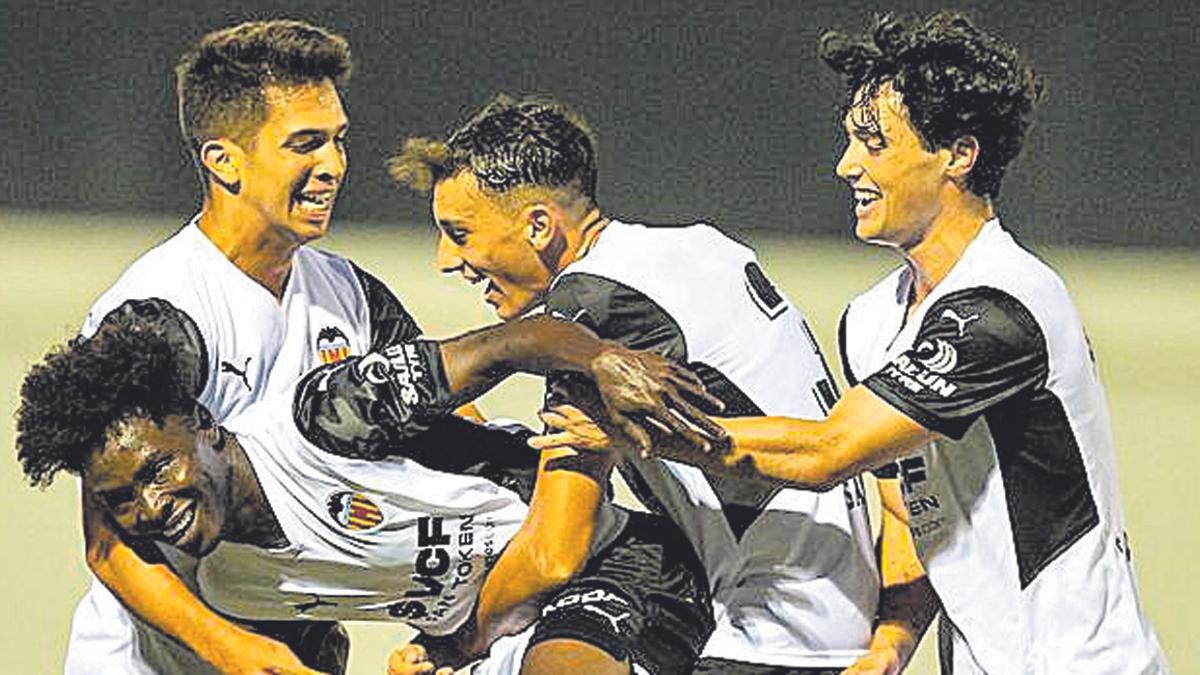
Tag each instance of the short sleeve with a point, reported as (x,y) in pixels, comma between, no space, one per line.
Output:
(975,348)
(390,322)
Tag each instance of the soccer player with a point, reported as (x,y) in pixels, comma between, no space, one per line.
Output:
(513,196)
(358,496)
(260,110)
(971,368)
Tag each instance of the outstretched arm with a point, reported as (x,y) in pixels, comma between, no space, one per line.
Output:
(370,405)
(862,432)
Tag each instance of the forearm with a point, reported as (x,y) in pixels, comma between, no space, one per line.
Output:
(154,593)
(801,452)
(907,601)
(862,432)
(479,360)
(551,547)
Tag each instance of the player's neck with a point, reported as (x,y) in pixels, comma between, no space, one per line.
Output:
(252,521)
(262,252)
(945,241)
(583,236)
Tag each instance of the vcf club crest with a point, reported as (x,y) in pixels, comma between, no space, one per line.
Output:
(354,510)
(332,345)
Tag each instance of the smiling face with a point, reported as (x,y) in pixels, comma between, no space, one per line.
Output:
(295,163)
(169,484)
(486,241)
(897,183)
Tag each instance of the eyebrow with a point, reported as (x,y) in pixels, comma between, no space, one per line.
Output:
(320,133)
(152,465)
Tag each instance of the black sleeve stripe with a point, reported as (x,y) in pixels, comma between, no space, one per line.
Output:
(390,322)
(975,349)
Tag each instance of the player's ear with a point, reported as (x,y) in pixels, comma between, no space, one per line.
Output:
(964,152)
(222,159)
(541,224)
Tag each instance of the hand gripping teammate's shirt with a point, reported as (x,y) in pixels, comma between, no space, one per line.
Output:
(791,571)
(255,345)
(1015,511)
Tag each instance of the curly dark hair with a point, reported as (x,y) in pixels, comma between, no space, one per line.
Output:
(509,143)
(954,79)
(220,81)
(131,367)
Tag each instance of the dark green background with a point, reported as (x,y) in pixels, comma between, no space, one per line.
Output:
(705,110)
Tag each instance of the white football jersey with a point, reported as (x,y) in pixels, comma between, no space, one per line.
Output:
(1015,509)
(256,345)
(792,571)
(369,540)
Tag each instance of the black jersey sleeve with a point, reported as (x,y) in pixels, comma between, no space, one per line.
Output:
(617,312)
(368,406)
(390,322)
(181,332)
(975,348)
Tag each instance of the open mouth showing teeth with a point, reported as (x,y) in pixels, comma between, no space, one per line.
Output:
(865,198)
(319,200)
(180,523)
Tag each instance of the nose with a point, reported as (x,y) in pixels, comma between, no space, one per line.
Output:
(147,511)
(331,162)
(848,167)
(447,258)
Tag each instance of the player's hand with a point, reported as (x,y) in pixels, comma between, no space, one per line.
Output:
(243,652)
(570,427)
(880,660)
(643,391)
(412,659)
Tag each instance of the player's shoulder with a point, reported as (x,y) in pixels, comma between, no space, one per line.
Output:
(629,248)
(997,261)
(168,271)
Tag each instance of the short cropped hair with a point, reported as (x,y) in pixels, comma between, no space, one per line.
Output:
(220,81)
(131,367)
(510,143)
(954,79)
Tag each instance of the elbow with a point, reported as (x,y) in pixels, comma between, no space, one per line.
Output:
(556,565)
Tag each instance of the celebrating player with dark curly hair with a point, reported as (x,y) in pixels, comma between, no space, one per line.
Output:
(973,380)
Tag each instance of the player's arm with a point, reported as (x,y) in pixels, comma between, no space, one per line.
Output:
(907,602)
(550,548)
(861,432)
(380,400)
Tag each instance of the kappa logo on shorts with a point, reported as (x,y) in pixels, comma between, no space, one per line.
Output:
(332,345)
(597,601)
(354,510)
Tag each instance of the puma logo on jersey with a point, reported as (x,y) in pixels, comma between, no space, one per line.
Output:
(961,322)
(563,317)
(227,367)
(307,606)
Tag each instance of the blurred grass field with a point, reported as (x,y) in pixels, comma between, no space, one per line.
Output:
(1141,307)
